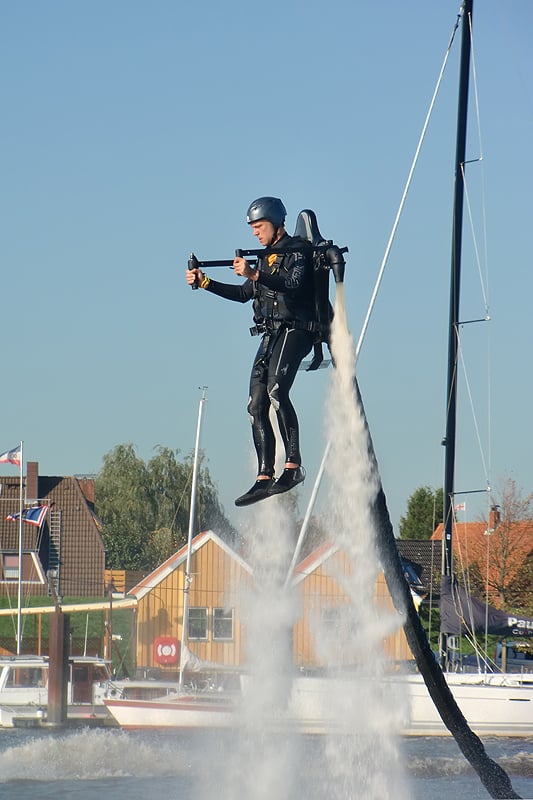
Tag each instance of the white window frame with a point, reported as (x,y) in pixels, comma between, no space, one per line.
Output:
(196,621)
(223,615)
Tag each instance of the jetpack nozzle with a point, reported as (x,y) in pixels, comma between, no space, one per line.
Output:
(336,262)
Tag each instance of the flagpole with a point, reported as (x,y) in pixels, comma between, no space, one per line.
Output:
(21,523)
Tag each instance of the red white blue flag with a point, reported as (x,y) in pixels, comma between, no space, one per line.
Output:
(33,516)
(12,456)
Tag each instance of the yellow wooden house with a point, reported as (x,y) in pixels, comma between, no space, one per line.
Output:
(318,580)
(215,632)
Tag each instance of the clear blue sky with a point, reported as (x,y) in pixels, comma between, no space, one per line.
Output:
(135,132)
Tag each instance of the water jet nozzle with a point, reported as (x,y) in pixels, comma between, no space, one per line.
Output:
(336,262)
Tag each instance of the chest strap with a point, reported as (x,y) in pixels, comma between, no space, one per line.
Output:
(270,325)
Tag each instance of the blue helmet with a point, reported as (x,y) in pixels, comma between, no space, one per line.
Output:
(269,208)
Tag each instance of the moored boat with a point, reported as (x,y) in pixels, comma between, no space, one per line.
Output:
(494,705)
(24,689)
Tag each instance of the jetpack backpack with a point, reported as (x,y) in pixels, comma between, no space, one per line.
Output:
(326,257)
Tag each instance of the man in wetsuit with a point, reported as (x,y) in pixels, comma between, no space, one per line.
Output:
(281,288)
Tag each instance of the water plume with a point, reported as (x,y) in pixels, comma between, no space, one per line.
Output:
(359,755)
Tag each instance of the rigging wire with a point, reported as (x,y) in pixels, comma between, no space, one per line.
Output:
(482,280)
(476,95)
(474,415)
(405,191)
(466,615)
(484,276)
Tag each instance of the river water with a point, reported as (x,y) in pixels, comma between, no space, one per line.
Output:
(90,764)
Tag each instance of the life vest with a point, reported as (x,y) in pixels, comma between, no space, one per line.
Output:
(298,308)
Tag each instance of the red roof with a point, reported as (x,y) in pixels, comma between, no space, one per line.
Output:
(506,546)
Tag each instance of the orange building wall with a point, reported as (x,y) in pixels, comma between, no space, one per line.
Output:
(217,578)
(319,591)
(160,613)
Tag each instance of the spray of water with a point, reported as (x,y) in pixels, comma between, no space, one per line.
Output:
(261,762)
(365,759)
(359,757)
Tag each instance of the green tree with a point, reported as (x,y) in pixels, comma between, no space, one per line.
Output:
(124,505)
(424,513)
(144,507)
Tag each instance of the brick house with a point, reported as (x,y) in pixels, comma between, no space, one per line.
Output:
(67,551)
(502,546)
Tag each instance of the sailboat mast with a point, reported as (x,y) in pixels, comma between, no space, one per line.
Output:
(455,285)
(192,522)
(20,553)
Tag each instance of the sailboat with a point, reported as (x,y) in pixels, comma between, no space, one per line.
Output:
(499,704)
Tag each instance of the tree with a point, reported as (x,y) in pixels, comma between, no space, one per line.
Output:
(424,513)
(519,594)
(124,505)
(507,548)
(144,508)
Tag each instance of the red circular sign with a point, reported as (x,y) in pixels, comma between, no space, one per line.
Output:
(166,650)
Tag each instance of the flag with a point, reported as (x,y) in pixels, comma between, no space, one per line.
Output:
(33,516)
(12,456)
(460,507)
(416,599)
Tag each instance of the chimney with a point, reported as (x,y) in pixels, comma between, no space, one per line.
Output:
(87,487)
(494,517)
(32,480)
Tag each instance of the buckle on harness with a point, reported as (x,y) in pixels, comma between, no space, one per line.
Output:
(268,326)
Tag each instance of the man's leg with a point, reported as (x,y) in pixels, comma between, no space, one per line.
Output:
(287,355)
(262,432)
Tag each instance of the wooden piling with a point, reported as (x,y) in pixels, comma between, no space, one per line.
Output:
(59,668)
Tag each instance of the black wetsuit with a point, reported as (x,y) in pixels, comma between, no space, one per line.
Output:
(284,310)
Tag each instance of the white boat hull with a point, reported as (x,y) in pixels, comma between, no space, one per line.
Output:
(495,706)
(179,712)
(492,705)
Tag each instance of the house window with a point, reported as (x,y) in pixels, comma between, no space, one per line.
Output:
(331,618)
(32,570)
(197,628)
(10,567)
(222,624)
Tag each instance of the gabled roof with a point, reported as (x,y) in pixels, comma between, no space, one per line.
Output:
(509,544)
(63,492)
(314,560)
(172,563)
(425,556)
(70,542)
(306,567)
